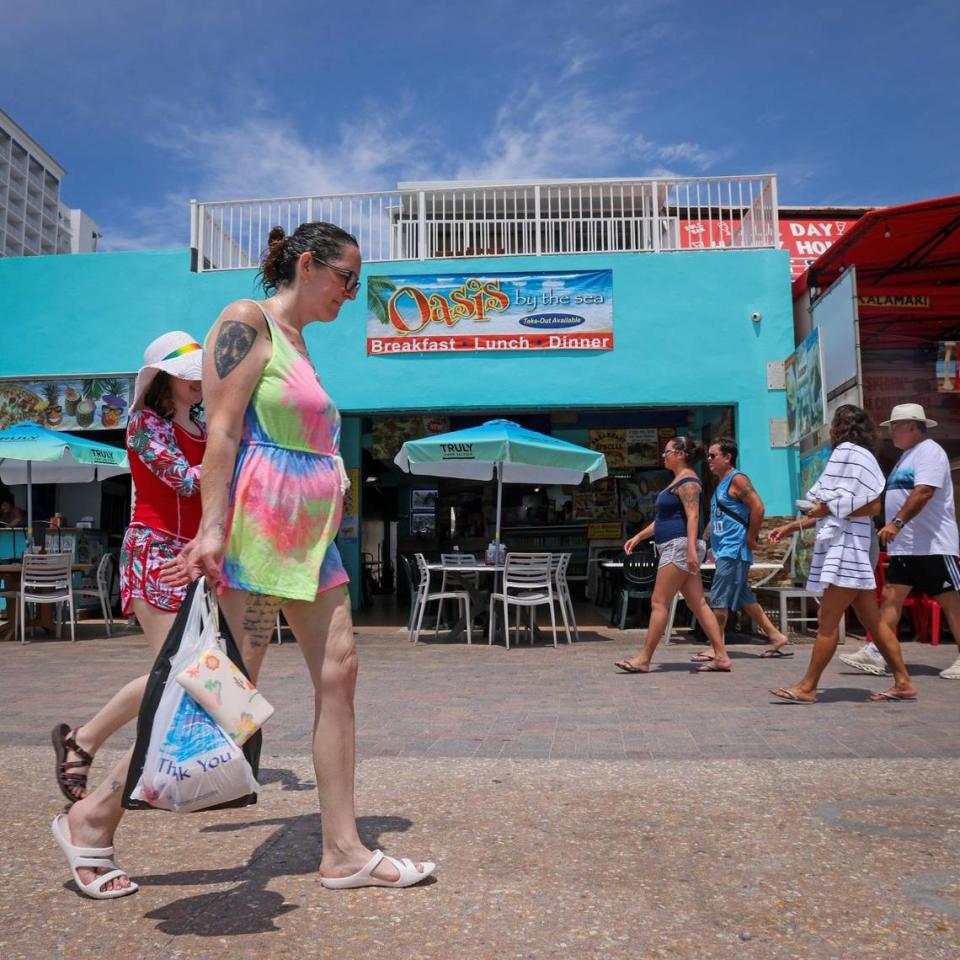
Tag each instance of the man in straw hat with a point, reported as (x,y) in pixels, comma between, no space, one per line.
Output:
(920,535)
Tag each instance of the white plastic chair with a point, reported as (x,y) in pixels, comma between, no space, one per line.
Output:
(558,570)
(103,577)
(527,583)
(786,594)
(456,559)
(425,596)
(46,579)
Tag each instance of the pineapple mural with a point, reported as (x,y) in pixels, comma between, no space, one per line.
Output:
(92,391)
(53,413)
(113,402)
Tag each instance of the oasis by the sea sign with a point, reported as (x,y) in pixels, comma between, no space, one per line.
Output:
(456,313)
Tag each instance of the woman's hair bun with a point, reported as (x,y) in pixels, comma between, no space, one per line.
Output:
(692,448)
(278,263)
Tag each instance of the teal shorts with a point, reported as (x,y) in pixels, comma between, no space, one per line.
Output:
(730,590)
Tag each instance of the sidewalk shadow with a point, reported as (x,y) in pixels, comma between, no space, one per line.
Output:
(292,850)
(287,779)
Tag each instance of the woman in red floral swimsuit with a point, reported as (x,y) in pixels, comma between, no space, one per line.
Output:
(166,442)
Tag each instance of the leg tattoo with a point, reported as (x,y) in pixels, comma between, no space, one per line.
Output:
(259,618)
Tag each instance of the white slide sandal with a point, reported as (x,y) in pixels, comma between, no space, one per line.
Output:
(94,858)
(409,874)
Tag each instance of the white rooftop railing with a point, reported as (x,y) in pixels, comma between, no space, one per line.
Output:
(458,220)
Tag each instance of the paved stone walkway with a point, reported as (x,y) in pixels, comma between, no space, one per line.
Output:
(454,701)
(573,811)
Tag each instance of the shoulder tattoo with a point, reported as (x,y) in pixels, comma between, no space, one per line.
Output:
(689,494)
(233,343)
(743,489)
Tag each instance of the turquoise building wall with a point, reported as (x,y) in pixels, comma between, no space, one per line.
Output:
(683,336)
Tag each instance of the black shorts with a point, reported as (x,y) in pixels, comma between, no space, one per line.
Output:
(932,574)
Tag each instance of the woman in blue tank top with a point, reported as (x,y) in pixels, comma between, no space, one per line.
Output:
(675,532)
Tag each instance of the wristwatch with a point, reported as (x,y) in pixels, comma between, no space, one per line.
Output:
(898,523)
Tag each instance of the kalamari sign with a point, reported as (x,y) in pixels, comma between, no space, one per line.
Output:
(456,313)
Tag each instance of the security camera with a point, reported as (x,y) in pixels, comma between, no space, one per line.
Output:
(756,316)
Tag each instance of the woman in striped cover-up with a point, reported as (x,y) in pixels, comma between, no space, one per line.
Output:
(844,499)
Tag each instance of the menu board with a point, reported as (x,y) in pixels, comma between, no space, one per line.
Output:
(635,447)
(390,433)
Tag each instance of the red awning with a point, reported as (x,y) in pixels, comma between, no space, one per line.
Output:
(913,248)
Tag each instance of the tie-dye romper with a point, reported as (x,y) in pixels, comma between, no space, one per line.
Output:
(288,485)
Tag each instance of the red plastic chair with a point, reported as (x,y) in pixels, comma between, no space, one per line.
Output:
(924,610)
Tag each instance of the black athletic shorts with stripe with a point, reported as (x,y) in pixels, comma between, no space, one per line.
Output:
(932,574)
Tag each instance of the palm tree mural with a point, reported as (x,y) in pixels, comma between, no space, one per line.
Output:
(379,291)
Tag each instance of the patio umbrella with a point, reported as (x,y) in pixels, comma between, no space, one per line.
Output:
(30,453)
(515,454)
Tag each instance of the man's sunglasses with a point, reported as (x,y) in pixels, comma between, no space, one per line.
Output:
(351,280)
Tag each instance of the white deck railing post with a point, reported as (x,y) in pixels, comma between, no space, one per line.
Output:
(194,236)
(655,216)
(536,214)
(422,225)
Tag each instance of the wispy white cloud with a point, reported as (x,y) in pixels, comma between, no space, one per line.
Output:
(268,156)
(537,133)
(153,227)
(264,156)
(565,130)
(691,154)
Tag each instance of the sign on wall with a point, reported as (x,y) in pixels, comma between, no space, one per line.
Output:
(804,239)
(812,464)
(390,433)
(834,314)
(67,403)
(637,447)
(806,402)
(807,239)
(463,313)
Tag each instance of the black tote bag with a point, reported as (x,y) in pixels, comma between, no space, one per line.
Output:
(156,683)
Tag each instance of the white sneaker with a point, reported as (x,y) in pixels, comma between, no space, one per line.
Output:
(952,672)
(868,659)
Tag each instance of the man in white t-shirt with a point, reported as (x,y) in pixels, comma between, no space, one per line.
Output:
(920,535)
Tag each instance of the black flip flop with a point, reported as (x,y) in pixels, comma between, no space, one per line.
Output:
(784,695)
(710,667)
(774,654)
(628,668)
(66,781)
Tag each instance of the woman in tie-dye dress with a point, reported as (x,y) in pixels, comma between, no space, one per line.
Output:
(273,485)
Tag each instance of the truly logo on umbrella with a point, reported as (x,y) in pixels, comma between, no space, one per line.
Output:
(103,456)
(457,451)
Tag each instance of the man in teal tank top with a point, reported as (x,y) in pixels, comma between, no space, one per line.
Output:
(736,514)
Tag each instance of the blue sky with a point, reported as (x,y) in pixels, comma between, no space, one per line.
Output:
(147,105)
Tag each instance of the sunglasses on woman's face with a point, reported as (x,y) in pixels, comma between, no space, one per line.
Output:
(351,281)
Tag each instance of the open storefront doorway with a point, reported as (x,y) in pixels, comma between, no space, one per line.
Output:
(402,514)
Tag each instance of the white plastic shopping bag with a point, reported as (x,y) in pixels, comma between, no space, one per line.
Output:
(183,760)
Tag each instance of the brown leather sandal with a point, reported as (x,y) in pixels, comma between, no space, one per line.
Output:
(72,785)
